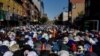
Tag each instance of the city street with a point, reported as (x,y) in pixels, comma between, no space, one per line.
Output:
(49,28)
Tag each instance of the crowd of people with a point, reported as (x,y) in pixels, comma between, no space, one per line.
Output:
(48,40)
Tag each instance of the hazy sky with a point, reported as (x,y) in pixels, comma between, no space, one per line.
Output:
(54,7)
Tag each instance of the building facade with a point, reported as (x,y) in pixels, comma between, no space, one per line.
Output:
(62,18)
(92,14)
(76,8)
(19,11)
(10,11)
(85,14)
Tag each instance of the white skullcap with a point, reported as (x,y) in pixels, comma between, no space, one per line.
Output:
(6,43)
(8,53)
(12,43)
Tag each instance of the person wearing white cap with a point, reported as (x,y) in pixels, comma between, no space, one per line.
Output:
(63,53)
(26,52)
(12,43)
(2,31)
(80,50)
(92,41)
(6,43)
(46,36)
(8,53)
(35,35)
(30,42)
(32,53)
(77,38)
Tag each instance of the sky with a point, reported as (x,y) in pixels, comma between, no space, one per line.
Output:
(55,7)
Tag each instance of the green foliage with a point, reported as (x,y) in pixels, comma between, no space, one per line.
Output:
(43,20)
(57,22)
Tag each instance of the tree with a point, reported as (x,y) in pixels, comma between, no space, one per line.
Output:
(43,20)
(58,22)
